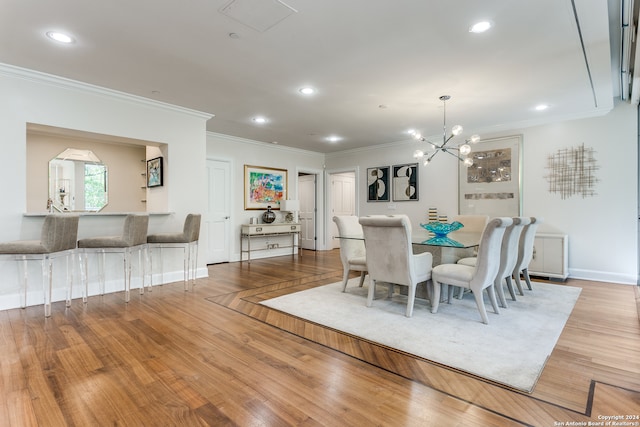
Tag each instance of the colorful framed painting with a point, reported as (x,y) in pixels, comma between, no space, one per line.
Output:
(378,188)
(264,187)
(154,172)
(405,182)
(493,184)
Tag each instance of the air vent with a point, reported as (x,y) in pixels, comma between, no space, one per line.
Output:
(257,14)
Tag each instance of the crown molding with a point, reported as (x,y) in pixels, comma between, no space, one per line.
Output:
(65,83)
(265,144)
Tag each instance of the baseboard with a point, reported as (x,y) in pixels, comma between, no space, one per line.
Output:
(36,297)
(602,276)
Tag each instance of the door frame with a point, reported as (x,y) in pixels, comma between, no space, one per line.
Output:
(319,189)
(328,196)
(230,240)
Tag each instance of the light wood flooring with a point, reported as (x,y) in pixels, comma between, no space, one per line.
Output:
(216,357)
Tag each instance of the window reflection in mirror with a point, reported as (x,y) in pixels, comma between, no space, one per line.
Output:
(77,182)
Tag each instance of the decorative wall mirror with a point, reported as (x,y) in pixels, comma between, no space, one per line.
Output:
(77,182)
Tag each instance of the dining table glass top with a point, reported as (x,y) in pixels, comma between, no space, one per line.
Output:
(455,239)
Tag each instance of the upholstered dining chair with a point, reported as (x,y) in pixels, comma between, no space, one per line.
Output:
(476,278)
(508,258)
(187,240)
(352,251)
(525,253)
(132,239)
(471,223)
(58,239)
(390,256)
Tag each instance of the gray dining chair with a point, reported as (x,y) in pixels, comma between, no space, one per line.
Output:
(525,253)
(390,257)
(508,257)
(352,250)
(132,239)
(476,278)
(187,240)
(58,240)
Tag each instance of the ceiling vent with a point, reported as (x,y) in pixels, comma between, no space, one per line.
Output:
(257,14)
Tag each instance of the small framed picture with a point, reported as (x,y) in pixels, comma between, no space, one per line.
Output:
(378,188)
(154,172)
(405,182)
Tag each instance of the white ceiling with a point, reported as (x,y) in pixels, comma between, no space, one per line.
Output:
(379,65)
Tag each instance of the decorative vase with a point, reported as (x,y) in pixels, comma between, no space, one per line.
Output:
(269,216)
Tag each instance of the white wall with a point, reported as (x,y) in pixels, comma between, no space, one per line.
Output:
(240,152)
(602,229)
(31,97)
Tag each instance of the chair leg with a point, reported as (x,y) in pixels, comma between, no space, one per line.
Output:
(84,276)
(371,293)
(497,284)
(186,266)
(47,281)
(435,302)
(481,307)
(345,279)
(102,261)
(142,269)
(516,277)
(25,281)
(69,282)
(127,275)
(525,273)
(411,297)
(510,287)
(492,297)
(362,275)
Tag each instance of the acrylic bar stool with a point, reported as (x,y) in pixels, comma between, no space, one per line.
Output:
(187,241)
(58,239)
(133,239)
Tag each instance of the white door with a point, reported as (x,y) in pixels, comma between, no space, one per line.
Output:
(343,198)
(307,217)
(217,219)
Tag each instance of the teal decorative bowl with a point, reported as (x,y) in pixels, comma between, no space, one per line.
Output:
(441,229)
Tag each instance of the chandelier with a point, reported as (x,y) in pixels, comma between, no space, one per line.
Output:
(460,152)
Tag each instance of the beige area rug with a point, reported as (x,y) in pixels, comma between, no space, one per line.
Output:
(512,349)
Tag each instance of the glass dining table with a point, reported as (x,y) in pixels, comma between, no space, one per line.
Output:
(425,241)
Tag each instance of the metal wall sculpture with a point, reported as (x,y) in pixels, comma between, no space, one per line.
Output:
(572,172)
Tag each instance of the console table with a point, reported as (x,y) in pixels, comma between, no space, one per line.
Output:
(252,231)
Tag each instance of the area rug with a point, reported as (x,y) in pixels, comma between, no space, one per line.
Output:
(512,349)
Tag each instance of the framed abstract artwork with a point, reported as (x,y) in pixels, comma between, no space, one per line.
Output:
(492,185)
(264,187)
(154,172)
(378,188)
(405,182)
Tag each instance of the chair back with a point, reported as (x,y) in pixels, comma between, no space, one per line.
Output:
(191,229)
(510,244)
(489,251)
(59,232)
(475,223)
(135,229)
(525,247)
(348,226)
(387,241)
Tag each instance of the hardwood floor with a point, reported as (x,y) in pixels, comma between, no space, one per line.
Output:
(215,357)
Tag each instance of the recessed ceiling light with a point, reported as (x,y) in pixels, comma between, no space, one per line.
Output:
(541,107)
(307,90)
(480,27)
(60,37)
(259,120)
(333,138)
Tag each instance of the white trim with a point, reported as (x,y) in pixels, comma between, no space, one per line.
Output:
(65,83)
